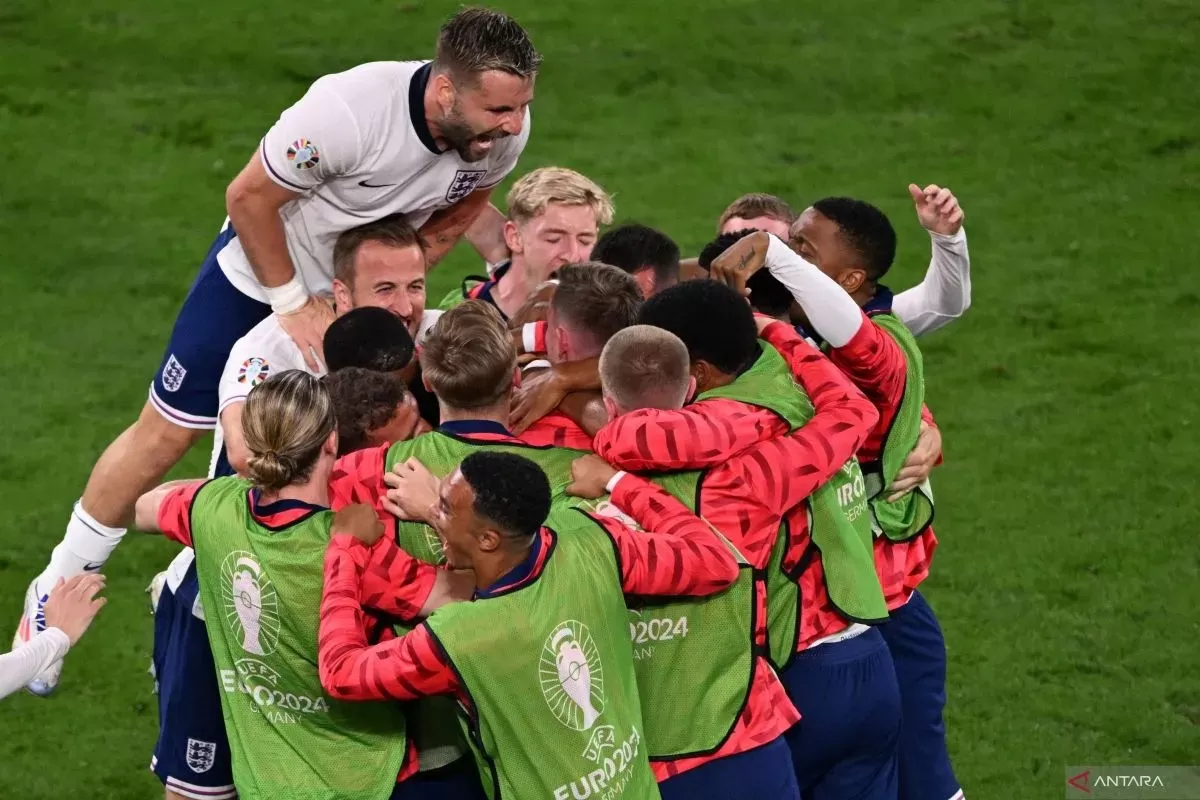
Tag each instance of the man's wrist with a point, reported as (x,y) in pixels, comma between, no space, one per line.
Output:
(288,298)
(611,486)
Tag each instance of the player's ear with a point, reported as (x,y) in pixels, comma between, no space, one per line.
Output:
(691,390)
(342,301)
(331,443)
(512,237)
(516,382)
(610,406)
(852,280)
(443,90)
(489,540)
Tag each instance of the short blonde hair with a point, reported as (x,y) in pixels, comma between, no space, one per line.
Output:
(468,358)
(645,367)
(286,420)
(530,195)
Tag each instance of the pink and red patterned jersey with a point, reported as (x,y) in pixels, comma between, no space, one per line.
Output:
(876,364)
(675,555)
(757,474)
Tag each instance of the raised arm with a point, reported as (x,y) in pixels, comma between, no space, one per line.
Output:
(401,669)
(944,294)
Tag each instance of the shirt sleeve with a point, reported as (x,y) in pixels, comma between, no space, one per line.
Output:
(175,513)
(499,165)
(945,293)
(697,436)
(830,310)
(675,554)
(314,140)
(406,668)
(875,363)
(25,663)
(358,478)
(394,582)
(786,470)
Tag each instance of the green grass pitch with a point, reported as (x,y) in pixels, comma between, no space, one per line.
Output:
(1068,572)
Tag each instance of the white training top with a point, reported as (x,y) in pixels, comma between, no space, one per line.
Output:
(358,147)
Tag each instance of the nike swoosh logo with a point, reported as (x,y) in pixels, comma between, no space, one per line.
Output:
(92,567)
(377,185)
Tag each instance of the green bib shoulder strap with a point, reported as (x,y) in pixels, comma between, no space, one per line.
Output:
(912,514)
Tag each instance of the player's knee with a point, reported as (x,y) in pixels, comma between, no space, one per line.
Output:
(154,432)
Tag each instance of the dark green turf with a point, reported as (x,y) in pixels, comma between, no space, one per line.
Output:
(1069,566)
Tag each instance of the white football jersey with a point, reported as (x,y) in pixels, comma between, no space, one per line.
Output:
(264,351)
(358,148)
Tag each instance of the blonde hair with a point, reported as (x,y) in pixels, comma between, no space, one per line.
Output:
(531,195)
(468,358)
(645,367)
(286,421)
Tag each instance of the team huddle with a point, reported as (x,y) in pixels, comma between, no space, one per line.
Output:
(607,523)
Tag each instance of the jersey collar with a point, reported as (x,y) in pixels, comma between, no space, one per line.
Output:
(525,572)
(281,513)
(416,108)
(474,427)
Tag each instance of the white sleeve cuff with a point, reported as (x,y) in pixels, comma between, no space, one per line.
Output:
(611,486)
(529,337)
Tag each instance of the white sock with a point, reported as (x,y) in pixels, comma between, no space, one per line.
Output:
(85,547)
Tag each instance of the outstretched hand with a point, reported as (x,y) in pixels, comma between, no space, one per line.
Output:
(937,209)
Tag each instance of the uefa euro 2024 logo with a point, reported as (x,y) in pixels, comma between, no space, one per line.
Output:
(571,675)
(251,604)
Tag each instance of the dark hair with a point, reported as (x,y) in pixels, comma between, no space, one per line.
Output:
(511,491)
(767,295)
(634,247)
(478,40)
(598,299)
(866,229)
(368,337)
(363,401)
(714,322)
(392,230)
(757,204)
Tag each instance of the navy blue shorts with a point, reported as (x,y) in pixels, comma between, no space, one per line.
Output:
(192,754)
(214,316)
(919,652)
(764,772)
(457,781)
(844,746)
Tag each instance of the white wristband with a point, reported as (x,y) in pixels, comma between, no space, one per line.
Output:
(529,337)
(613,481)
(289,298)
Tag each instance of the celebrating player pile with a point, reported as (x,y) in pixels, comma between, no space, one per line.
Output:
(612,525)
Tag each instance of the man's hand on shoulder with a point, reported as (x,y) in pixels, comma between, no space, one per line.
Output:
(306,326)
(360,521)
